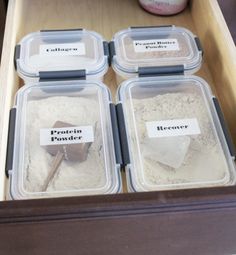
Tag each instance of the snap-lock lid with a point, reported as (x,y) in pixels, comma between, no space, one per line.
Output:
(49,52)
(144,47)
(174,135)
(63,141)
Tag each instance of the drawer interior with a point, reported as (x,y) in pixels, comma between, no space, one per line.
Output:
(107,17)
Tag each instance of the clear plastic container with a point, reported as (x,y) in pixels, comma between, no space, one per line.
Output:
(66,124)
(136,48)
(61,51)
(174,135)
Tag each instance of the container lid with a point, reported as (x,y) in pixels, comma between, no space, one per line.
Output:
(144,47)
(64,124)
(174,135)
(61,50)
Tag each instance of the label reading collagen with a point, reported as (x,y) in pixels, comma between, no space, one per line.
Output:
(167,128)
(156,45)
(63,49)
(66,135)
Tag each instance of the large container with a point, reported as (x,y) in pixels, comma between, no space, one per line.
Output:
(62,53)
(164,7)
(137,48)
(70,120)
(175,138)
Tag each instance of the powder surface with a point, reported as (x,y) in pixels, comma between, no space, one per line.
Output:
(71,176)
(204,163)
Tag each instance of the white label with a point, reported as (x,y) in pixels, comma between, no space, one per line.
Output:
(167,128)
(66,135)
(63,49)
(156,45)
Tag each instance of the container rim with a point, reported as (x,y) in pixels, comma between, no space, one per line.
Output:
(133,181)
(112,183)
(25,71)
(191,66)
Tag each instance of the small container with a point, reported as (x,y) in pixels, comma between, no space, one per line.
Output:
(72,118)
(164,7)
(61,53)
(174,133)
(136,49)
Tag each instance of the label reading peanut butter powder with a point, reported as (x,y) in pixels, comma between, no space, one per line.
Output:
(156,45)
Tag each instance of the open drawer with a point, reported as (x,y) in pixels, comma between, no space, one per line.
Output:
(199,221)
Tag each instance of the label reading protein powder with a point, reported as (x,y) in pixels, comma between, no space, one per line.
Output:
(66,135)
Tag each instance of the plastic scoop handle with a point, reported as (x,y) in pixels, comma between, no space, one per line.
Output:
(55,164)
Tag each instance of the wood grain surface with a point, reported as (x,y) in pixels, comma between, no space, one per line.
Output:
(176,222)
(107,17)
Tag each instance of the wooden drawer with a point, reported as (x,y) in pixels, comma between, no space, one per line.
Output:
(178,222)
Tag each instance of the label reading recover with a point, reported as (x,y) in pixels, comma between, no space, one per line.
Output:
(167,128)
(63,49)
(156,45)
(67,135)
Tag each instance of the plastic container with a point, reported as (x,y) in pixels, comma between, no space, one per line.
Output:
(154,47)
(164,7)
(61,53)
(175,137)
(70,118)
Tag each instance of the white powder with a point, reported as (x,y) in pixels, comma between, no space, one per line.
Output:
(71,176)
(203,162)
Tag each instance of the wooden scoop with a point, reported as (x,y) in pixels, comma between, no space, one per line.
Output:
(71,152)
